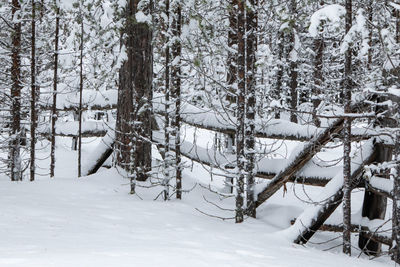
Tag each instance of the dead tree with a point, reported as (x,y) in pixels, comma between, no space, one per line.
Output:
(15,141)
(55,84)
(133,128)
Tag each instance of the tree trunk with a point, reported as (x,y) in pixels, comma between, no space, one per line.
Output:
(15,142)
(240,113)
(251,22)
(33,92)
(231,78)
(396,204)
(133,135)
(319,47)
(347,139)
(55,84)
(167,156)
(293,64)
(80,101)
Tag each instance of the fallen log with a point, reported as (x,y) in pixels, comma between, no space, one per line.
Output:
(314,217)
(355,229)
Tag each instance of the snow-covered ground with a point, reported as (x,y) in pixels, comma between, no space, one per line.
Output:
(94,221)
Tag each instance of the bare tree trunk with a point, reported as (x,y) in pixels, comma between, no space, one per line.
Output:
(396,204)
(240,148)
(279,74)
(33,92)
(293,64)
(15,142)
(167,156)
(55,83)
(319,47)
(251,19)
(231,77)
(176,94)
(133,135)
(347,139)
(80,101)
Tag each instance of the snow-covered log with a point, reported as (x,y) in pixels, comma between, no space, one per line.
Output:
(311,174)
(206,118)
(330,198)
(300,157)
(70,129)
(92,100)
(356,228)
(103,151)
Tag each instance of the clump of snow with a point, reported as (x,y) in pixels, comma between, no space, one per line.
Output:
(331,14)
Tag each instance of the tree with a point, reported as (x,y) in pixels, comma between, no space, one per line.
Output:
(347,188)
(15,142)
(133,129)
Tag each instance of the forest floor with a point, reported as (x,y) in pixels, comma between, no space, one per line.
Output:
(93,221)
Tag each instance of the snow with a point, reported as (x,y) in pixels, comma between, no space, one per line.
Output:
(332,14)
(91,98)
(385,185)
(93,221)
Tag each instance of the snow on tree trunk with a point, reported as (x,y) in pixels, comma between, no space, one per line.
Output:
(240,146)
(176,92)
(251,41)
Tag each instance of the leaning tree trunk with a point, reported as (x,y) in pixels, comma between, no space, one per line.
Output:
(133,129)
(347,140)
(15,141)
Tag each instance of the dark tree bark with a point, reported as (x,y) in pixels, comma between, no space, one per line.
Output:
(176,93)
(396,204)
(167,156)
(293,64)
(15,142)
(54,114)
(347,139)
(319,47)
(240,146)
(279,74)
(133,135)
(251,24)
(231,76)
(33,92)
(80,100)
